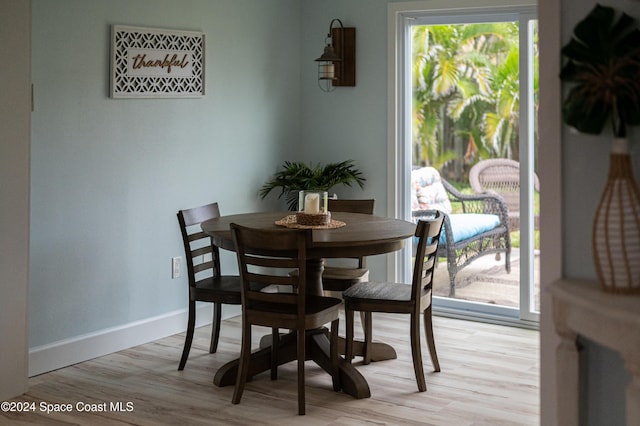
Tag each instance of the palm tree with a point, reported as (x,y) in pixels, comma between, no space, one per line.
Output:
(501,122)
(466,95)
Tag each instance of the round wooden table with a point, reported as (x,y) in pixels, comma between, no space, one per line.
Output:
(363,235)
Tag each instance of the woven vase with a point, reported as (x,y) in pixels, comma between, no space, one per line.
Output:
(616,226)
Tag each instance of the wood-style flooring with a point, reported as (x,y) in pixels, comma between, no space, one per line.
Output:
(490,376)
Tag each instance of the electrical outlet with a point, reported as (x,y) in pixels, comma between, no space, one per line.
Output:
(176,267)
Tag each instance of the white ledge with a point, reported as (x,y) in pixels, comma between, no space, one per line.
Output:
(582,308)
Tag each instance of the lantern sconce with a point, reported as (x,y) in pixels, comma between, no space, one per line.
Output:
(337,65)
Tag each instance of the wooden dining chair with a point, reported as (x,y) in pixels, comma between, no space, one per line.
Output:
(266,257)
(206,282)
(401,298)
(339,278)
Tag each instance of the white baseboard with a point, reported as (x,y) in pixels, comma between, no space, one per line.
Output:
(71,351)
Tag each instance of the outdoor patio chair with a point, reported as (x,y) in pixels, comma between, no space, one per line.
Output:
(474,225)
(502,176)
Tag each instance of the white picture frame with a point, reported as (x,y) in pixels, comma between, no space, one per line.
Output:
(156,63)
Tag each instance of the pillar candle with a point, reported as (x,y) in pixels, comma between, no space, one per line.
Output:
(312,204)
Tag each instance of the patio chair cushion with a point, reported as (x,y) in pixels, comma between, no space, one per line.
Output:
(428,192)
(468,225)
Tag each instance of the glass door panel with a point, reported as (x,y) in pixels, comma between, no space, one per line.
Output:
(473,97)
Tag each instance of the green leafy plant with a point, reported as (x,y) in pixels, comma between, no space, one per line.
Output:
(296,176)
(604,65)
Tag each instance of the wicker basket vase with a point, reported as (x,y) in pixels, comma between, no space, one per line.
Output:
(616,226)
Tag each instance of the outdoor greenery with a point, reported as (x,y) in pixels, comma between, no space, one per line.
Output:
(295,176)
(466,93)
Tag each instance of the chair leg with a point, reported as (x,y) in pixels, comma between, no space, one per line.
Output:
(416,353)
(431,343)
(348,351)
(275,344)
(215,327)
(335,357)
(368,331)
(243,366)
(363,320)
(191,325)
(452,284)
(301,358)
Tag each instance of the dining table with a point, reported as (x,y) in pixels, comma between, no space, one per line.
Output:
(348,235)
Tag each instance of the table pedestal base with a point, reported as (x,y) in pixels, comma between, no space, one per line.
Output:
(351,381)
(379,351)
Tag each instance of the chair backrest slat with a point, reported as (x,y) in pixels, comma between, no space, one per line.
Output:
(197,235)
(364,206)
(201,251)
(272,261)
(200,267)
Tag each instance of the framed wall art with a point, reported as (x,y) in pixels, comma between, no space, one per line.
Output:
(156,63)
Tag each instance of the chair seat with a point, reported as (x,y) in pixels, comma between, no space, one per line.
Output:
(380,293)
(224,289)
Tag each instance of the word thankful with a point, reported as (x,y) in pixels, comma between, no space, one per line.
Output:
(140,61)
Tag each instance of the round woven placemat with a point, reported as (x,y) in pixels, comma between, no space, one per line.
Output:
(290,222)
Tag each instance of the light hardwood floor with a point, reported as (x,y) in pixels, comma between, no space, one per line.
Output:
(489,377)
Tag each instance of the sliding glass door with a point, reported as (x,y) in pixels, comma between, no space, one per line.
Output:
(467,85)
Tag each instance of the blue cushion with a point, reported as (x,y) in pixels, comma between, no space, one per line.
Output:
(467,225)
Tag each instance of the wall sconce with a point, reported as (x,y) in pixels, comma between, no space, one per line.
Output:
(337,65)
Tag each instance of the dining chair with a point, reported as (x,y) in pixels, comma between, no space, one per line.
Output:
(339,278)
(266,257)
(206,282)
(401,298)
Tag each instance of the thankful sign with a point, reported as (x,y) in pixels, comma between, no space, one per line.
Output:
(148,62)
(159,63)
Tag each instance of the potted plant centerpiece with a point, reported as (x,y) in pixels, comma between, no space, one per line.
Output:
(297,176)
(603,68)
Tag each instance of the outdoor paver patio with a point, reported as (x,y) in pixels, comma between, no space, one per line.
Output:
(486,280)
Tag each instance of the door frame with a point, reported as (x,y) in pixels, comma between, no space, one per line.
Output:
(399,15)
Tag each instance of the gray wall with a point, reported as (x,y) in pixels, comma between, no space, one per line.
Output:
(109,175)
(350,122)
